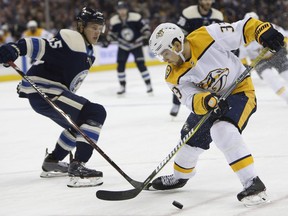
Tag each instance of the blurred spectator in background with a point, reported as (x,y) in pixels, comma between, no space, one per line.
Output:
(7,36)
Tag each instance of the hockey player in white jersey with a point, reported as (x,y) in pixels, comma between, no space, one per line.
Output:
(274,68)
(192,18)
(200,69)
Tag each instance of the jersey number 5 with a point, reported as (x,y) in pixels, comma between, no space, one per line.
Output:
(54,43)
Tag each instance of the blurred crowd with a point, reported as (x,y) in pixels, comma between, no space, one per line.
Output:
(56,14)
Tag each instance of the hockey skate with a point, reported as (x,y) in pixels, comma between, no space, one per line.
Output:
(80,176)
(52,167)
(175,109)
(122,90)
(149,89)
(253,195)
(166,183)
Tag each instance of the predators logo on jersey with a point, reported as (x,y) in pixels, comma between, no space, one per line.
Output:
(215,80)
(168,71)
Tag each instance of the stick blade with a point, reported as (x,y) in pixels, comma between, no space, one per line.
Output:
(118,195)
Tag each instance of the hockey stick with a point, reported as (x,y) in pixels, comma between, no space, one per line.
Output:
(129,194)
(134,183)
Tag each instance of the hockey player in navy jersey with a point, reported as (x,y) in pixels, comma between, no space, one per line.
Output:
(131,32)
(200,69)
(66,60)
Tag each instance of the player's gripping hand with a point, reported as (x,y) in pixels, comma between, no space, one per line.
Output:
(267,36)
(219,107)
(8,52)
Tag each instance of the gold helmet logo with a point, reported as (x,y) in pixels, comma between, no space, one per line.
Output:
(160,33)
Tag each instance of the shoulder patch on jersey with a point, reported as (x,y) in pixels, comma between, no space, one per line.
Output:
(191,12)
(74,40)
(168,71)
(173,73)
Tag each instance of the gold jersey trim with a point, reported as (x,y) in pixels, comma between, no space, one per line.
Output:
(249,29)
(242,163)
(183,170)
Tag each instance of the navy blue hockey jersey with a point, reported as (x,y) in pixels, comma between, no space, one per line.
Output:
(130,32)
(64,63)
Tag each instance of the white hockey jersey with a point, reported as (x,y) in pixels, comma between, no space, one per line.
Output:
(212,67)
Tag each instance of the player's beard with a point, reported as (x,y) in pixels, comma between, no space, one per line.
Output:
(206,7)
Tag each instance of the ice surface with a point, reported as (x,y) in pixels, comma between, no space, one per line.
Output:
(137,135)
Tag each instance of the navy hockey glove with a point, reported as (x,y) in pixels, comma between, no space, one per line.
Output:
(219,107)
(267,36)
(9,52)
(145,42)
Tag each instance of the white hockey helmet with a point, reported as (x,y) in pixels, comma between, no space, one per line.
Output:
(162,38)
(32,24)
(251,14)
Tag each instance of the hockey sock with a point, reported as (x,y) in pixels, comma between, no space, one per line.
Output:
(59,153)
(185,162)
(65,144)
(228,139)
(83,152)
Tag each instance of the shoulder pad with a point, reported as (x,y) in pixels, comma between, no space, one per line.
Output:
(134,16)
(191,12)
(115,20)
(216,14)
(73,39)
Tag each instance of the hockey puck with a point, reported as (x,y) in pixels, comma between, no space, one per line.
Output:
(177,204)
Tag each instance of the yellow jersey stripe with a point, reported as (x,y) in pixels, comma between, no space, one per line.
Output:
(249,29)
(183,170)
(242,163)
(250,105)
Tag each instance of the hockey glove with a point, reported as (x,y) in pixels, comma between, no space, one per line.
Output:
(105,42)
(145,42)
(267,36)
(219,107)
(9,52)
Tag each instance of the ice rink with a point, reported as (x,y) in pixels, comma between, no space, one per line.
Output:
(138,134)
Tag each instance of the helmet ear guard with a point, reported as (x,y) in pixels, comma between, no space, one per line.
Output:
(163,38)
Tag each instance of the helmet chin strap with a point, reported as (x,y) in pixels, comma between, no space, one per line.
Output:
(182,57)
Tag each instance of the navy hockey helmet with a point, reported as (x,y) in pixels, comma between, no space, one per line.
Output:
(90,15)
(121,5)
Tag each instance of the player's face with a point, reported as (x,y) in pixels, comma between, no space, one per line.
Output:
(206,4)
(122,12)
(92,32)
(171,57)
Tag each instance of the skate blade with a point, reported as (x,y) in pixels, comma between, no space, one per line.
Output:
(45,174)
(151,94)
(255,200)
(77,182)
